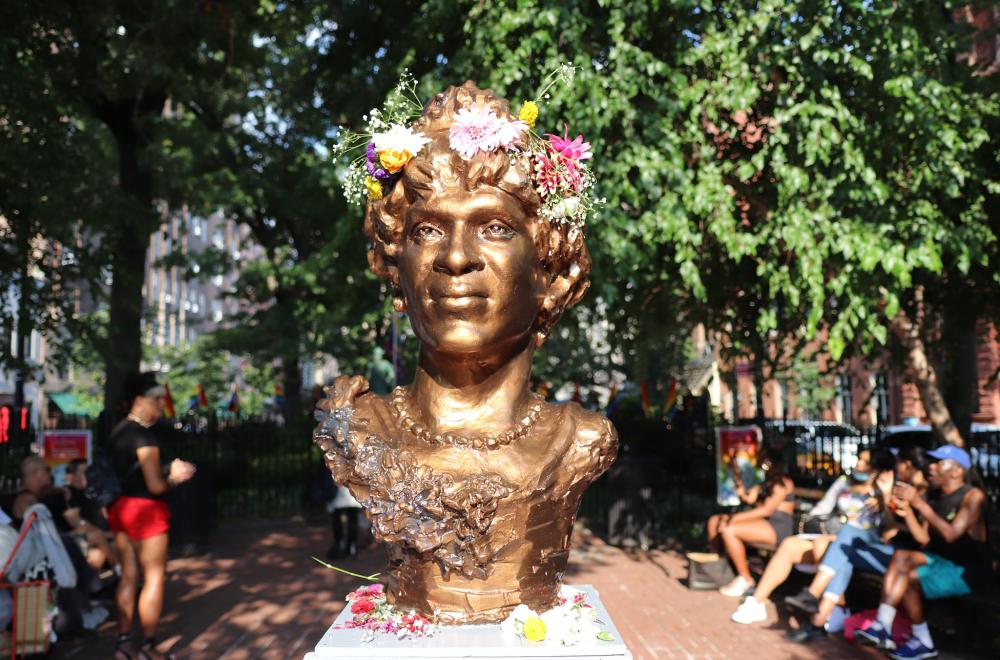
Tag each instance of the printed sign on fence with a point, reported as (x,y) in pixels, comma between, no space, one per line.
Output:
(736,451)
(61,447)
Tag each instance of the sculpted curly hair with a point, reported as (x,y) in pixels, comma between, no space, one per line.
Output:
(437,168)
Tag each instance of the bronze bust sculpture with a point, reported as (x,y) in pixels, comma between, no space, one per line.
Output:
(472,480)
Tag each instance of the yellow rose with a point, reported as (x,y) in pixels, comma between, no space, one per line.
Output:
(374,188)
(534,629)
(528,113)
(393,160)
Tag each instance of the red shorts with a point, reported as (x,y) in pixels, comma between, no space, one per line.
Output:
(138,517)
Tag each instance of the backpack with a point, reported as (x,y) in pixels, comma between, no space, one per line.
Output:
(103,486)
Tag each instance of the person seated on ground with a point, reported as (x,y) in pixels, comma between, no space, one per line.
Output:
(955,561)
(852,499)
(850,551)
(75,609)
(38,488)
(76,485)
(92,532)
(770,521)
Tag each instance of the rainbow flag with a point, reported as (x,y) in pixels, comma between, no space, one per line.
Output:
(234,401)
(670,405)
(168,402)
(644,391)
(613,401)
(202,397)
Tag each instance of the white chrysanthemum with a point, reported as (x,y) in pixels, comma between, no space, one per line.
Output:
(400,138)
(514,623)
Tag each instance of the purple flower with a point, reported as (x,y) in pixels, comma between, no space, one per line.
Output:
(378,172)
(374,166)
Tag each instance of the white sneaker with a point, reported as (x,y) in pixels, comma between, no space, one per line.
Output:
(737,587)
(750,610)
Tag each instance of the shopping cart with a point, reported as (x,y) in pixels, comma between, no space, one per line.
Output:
(31,603)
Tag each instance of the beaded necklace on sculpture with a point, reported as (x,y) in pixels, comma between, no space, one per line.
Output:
(405,421)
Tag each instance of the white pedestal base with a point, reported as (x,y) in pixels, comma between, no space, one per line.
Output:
(481,641)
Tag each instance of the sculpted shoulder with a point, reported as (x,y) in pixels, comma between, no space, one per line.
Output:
(595,441)
(370,411)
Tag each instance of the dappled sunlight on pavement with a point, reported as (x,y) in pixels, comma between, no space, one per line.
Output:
(259,595)
(660,618)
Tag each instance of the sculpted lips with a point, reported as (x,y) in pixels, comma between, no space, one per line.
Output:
(457,298)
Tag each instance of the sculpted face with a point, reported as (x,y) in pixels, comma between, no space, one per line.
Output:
(470,273)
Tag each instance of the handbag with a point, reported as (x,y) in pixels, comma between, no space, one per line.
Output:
(708,571)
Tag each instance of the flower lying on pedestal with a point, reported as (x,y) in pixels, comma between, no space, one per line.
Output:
(570,622)
(373,614)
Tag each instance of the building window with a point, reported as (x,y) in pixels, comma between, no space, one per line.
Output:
(881,400)
(844,398)
(735,385)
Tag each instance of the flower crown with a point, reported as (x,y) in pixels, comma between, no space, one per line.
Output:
(561,176)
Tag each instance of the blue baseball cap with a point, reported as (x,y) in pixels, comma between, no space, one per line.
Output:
(956,454)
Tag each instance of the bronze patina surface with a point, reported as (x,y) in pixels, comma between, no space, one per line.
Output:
(472,481)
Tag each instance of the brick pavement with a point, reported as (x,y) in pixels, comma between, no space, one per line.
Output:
(258,595)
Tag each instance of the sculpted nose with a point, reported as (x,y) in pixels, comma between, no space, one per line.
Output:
(459,256)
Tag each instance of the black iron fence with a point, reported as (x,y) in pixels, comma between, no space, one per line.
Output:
(251,469)
(663,483)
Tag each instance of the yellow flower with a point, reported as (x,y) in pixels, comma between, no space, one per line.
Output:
(528,113)
(374,188)
(534,629)
(393,159)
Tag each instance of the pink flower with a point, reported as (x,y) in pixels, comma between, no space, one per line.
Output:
(546,175)
(478,128)
(554,173)
(510,132)
(368,591)
(362,606)
(414,622)
(575,149)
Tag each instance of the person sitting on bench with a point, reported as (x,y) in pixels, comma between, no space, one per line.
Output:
(768,522)
(956,560)
(852,550)
(852,498)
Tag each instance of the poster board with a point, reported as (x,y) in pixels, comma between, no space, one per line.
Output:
(736,448)
(61,447)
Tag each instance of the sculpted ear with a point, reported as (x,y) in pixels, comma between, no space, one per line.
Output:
(564,290)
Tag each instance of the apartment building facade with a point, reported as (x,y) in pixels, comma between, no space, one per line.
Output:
(864,392)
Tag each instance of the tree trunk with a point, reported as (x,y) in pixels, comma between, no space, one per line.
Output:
(292,382)
(291,373)
(125,318)
(124,353)
(925,375)
(961,380)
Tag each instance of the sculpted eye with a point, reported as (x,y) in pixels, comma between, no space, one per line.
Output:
(426,232)
(498,230)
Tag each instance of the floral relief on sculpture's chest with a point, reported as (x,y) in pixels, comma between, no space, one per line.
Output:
(430,511)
